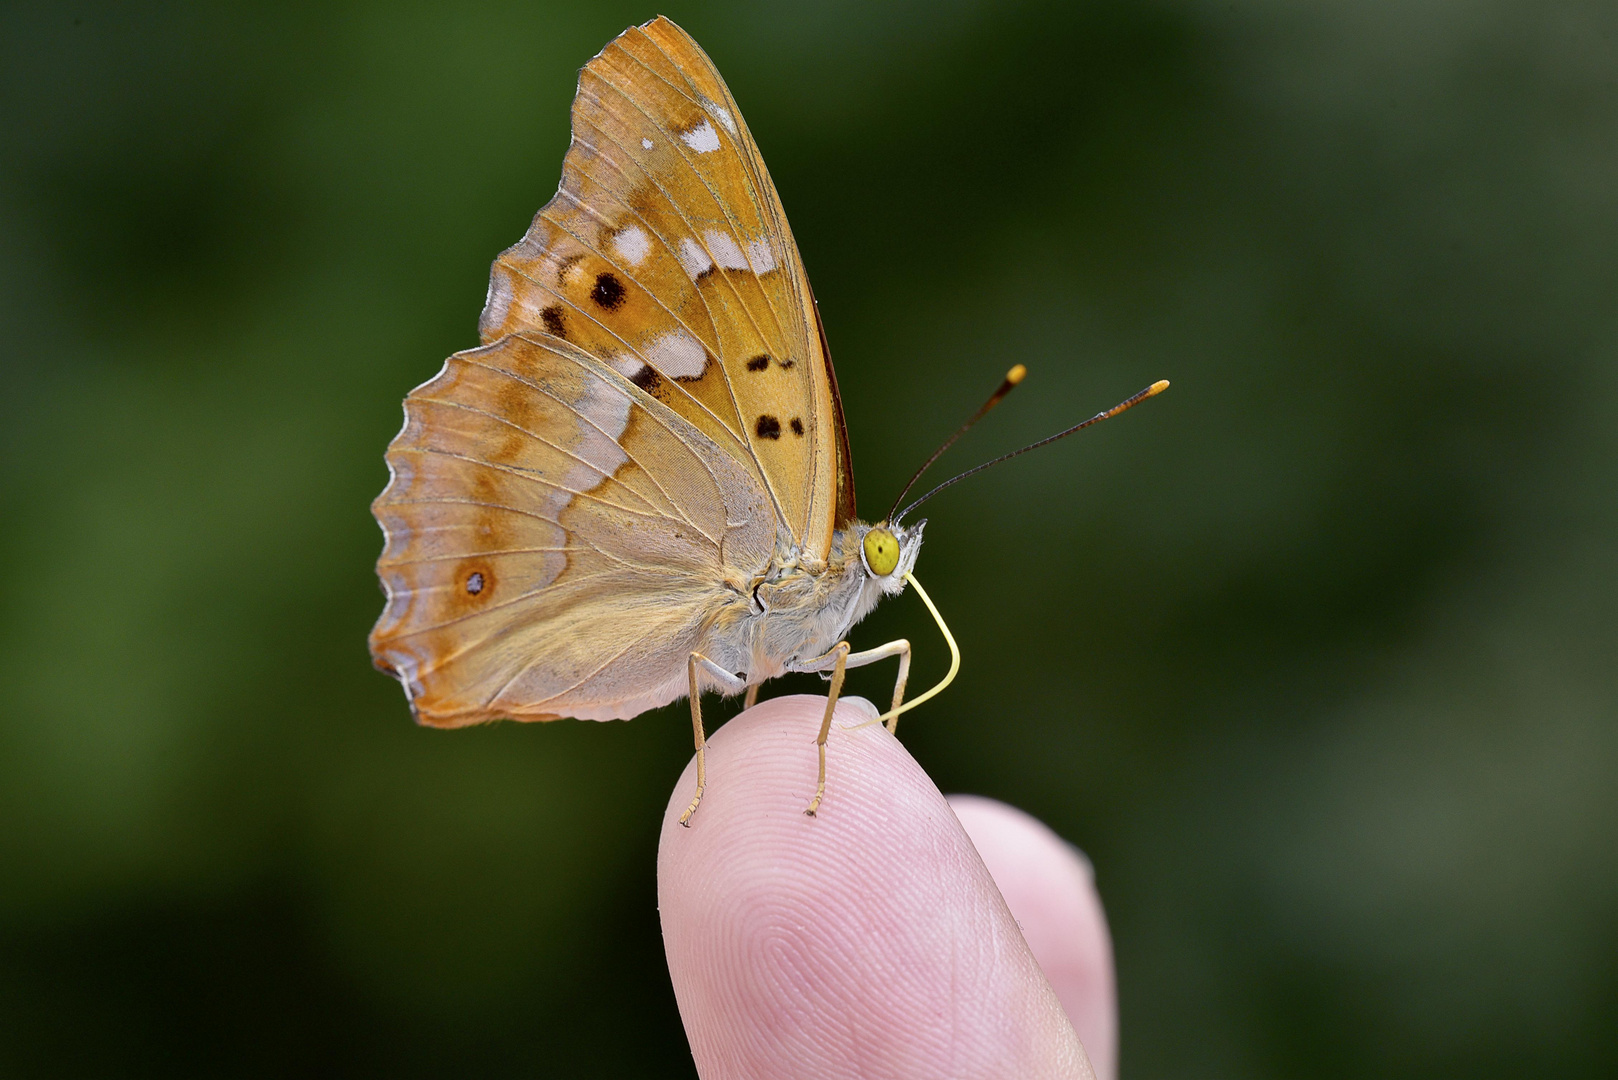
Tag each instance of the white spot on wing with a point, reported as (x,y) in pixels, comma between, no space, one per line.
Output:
(631,245)
(760,256)
(694,258)
(723,114)
(627,366)
(726,252)
(677,354)
(607,409)
(702,138)
(646,144)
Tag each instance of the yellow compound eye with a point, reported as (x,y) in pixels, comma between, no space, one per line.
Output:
(881,552)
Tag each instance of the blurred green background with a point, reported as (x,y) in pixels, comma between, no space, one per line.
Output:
(1315,655)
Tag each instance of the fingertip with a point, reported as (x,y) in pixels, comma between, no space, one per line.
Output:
(866,940)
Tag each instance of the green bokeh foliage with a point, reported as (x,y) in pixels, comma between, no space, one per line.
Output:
(1314,655)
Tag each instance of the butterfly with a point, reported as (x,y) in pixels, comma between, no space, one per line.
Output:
(639,486)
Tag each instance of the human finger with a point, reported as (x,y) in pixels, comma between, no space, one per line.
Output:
(1050,888)
(869,940)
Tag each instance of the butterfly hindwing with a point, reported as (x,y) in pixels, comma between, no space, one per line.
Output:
(555,538)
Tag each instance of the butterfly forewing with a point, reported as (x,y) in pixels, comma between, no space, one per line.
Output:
(831,486)
(554,537)
(667,255)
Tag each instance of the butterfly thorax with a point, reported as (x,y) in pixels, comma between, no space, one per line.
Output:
(802,608)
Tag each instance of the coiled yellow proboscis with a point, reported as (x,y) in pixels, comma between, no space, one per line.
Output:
(949,676)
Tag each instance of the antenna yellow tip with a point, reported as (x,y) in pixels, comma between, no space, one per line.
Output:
(1015,375)
(1157,388)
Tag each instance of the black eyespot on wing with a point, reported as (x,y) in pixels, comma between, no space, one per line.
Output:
(608,292)
(768,427)
(474,582)
(758,363)
(797,426)
(555,324)
(786,362)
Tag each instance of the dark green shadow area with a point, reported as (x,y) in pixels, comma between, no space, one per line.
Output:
(1314,654)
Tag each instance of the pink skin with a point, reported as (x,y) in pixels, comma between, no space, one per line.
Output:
(871,941)
(1051,892)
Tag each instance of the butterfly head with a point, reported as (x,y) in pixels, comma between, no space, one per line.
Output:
(889,551)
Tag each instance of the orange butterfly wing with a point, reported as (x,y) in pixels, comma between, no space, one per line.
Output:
(666,253)
(574,506)
(557,540)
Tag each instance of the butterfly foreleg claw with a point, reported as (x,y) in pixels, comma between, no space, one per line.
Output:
(728,683)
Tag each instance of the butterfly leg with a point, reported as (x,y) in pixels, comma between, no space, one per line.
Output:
(839,666)
(899,647)
(727,682)
(752,696)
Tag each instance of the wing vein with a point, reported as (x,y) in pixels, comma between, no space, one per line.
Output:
(597,670)
(736,229)
(661,422)
(523,474)
(605,475)
(492,608)
(481,555)
(540,285)
(766,212)
(730,388)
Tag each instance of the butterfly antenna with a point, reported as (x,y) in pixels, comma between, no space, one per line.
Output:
(1009,383)
(1129,403)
